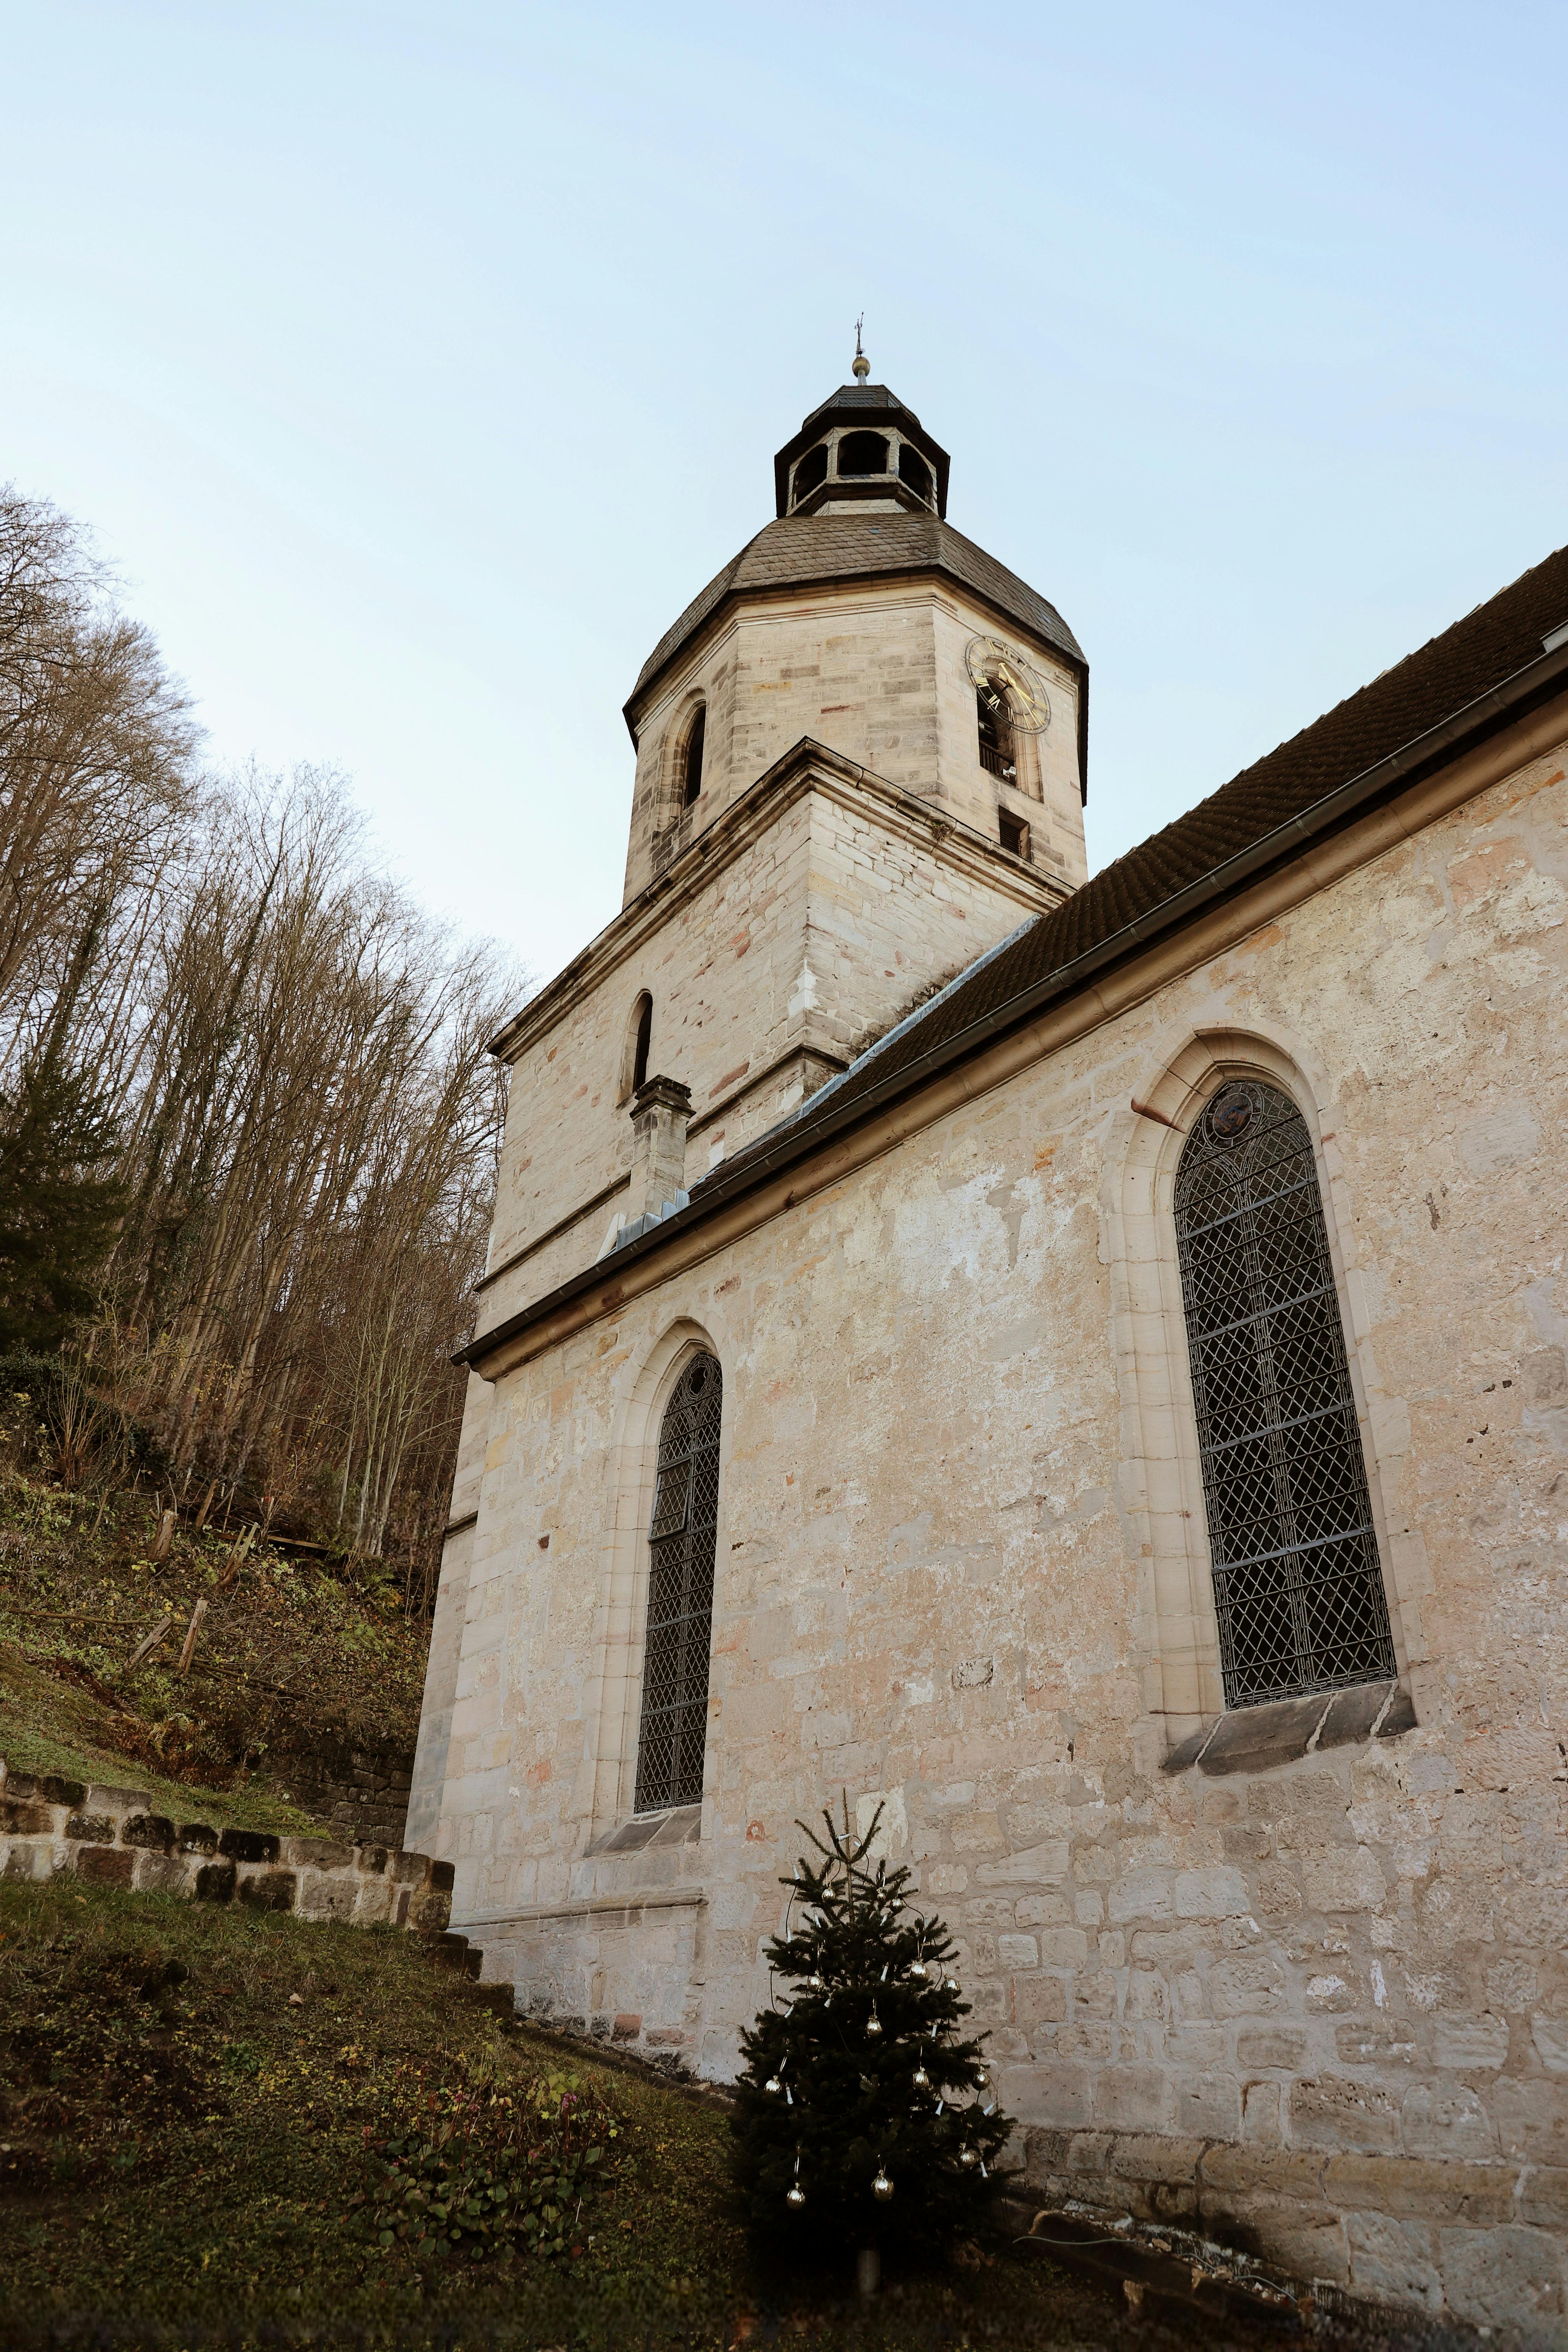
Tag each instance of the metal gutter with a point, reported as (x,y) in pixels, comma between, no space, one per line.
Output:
(1510,699)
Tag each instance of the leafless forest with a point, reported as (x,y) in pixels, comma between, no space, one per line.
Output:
(284,1060)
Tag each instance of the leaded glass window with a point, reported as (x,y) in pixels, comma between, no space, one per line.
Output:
(680,1538)
(1298,1589)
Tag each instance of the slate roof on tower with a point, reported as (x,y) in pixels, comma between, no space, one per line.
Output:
(811,550)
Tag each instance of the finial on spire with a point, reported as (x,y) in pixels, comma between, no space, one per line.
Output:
(862,368)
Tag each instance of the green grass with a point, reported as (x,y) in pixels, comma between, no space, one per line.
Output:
(183,2144)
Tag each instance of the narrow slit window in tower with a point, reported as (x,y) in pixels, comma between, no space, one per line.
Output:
(645,1038)
(680,1538)
(692,780)
(1298,1587)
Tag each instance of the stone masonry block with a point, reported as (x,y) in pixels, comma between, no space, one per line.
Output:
(106,1865)
(1479,2194)
(197,1837)
(1161,2156)
(1131,2098)
(1447,2119)
(105,1797)
(162,1873)
(154,1831)
(1393,2262)
(315,1853)
(327,1893)
(269,1890)
(247,1846)
(215,1882)
(90,1829)
(45,1788)
(1494,2277)
(1206,2106)
(26,1818)
(1531,2118)
(1281,2046)
(1038,2001)
(1218,1893)
(372,1901)
(1332,2112)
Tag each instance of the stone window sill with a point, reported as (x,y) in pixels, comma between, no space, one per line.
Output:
(1260,1739)
(679,1826)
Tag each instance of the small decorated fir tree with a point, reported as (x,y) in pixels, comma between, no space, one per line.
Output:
(865,2118)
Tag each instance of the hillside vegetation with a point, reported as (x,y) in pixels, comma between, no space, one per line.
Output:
(247,1121)
(298,1661)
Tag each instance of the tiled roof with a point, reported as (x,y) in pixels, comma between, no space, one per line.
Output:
(1431,686)
(799,550)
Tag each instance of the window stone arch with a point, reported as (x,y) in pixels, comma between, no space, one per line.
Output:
(1160,1480)
(651,1384)
(678,1619)
(1298,1596)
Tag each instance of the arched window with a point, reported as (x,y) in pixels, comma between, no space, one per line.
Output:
(994,728)
(1299,1592)
(691,762)
(863,453)
(681,1540)
(914,472)
(810,472)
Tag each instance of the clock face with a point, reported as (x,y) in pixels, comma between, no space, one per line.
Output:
(1008,684)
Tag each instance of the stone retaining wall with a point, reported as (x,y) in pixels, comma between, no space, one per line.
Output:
(49,1825)
(364,1796)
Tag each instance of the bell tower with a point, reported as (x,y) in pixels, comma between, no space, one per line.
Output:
(861,619)
(860,765)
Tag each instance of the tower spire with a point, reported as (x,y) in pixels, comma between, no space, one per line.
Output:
(862,368)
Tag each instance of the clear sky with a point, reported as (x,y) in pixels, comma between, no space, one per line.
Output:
(416,363)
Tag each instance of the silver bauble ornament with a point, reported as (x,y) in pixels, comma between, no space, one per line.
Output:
(981,2078)
(952,1985)
(794,2196)
(773,2085)
(923,2080)
(873,2026)
(967,2158)
(881,2187)
(814,1984)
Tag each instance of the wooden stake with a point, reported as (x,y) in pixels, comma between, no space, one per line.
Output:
(197,1613)
(165,1535)
(206,1506)
(145,1649)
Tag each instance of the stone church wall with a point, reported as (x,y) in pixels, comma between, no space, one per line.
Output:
(1322,2001)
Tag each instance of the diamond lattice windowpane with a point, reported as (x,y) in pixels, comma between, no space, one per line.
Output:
(1298,1589)
(680,1593)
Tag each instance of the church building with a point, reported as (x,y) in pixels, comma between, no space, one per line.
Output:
(1075,1362)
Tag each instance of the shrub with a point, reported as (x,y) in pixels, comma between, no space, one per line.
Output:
(483,2167)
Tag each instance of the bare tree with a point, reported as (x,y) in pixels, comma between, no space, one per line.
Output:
(291,1055)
